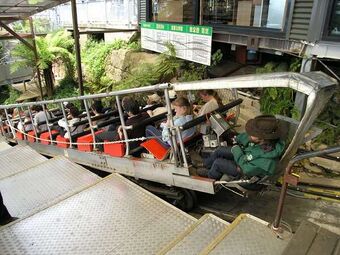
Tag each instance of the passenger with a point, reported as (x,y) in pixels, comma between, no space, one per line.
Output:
(183,115)
(5,216)
(97,110)
(74,118)
(212,102)
(155,99)
(26,125)
(255,154)
(41,117)
(131,107)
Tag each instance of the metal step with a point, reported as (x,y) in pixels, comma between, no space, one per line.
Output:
(312,239)
(248,235)
(17,159)
(44,185)
(4,146)
(114,216)
(197,237)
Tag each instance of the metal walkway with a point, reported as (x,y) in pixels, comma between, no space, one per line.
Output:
(65,209)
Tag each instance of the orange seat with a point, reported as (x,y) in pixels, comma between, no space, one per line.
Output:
(62,142)
(20,135)
(115,149)
(31,136)
(46,136)
(157,149)
(86,139)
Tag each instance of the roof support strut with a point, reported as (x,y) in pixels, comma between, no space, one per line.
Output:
(77,47)
(28,45)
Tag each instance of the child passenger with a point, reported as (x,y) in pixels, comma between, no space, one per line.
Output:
(183,114)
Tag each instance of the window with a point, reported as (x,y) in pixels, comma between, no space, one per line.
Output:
(334,25)
(180,11)
(254,13)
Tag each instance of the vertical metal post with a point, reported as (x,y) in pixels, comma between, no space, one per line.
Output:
(77,47)
(36,57)
(9,121)
(33,124)
(20,120)
(2,125)
(181,144)
(122,122)
(172,131)
(67,127)
(90,122)
(47,122)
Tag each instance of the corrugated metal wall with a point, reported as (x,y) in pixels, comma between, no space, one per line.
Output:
(142,10)
(301,19)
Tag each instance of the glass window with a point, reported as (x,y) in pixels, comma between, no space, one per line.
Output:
(180,11)
(334,27)
(254,13)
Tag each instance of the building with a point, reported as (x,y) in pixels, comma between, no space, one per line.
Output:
(301,27)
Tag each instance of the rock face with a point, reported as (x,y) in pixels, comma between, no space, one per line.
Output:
(123,62)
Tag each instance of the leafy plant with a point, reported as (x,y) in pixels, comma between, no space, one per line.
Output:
(94,56)
(51,48)
(278,100)
(329,121)
(13,95)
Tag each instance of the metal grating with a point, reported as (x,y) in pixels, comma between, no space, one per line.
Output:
(44,185)
(4,146)
(103,219)
(200,236)
(251,236)
(17,159)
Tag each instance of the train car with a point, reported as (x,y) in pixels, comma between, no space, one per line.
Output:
(167,171)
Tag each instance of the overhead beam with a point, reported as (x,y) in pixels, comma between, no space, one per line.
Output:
(17,36)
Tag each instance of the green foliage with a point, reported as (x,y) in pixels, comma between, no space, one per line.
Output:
(329,121)
(165,68)
(8,95)
(41,25)
(67,88)
(194,72)
(51,48)
(277,100)
(94,56)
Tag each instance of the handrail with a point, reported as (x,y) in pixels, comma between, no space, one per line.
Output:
(152,88)
(288,171)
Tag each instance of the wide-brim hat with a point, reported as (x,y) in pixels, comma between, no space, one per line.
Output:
(266,127)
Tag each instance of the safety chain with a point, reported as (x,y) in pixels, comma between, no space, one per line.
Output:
(108,142)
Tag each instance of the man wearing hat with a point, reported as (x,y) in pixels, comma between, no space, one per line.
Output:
(255,152)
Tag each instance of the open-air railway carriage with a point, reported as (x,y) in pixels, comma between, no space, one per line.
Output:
(169,172)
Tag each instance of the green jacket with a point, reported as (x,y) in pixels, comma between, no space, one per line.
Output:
(251,158)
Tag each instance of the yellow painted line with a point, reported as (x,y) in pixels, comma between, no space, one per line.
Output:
(223,234)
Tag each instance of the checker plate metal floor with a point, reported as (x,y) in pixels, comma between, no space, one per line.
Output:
(4,146)
(17,159)
(114,216)
(200,236)
(43,185)
(251,236)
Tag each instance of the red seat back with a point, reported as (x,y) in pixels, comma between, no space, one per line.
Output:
(46,136)
(158,150)
(62,142)
(86,139)
(115,149)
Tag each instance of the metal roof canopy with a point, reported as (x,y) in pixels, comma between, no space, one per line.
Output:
(12,10)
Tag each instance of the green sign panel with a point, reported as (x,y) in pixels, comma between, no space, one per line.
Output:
(191,42)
